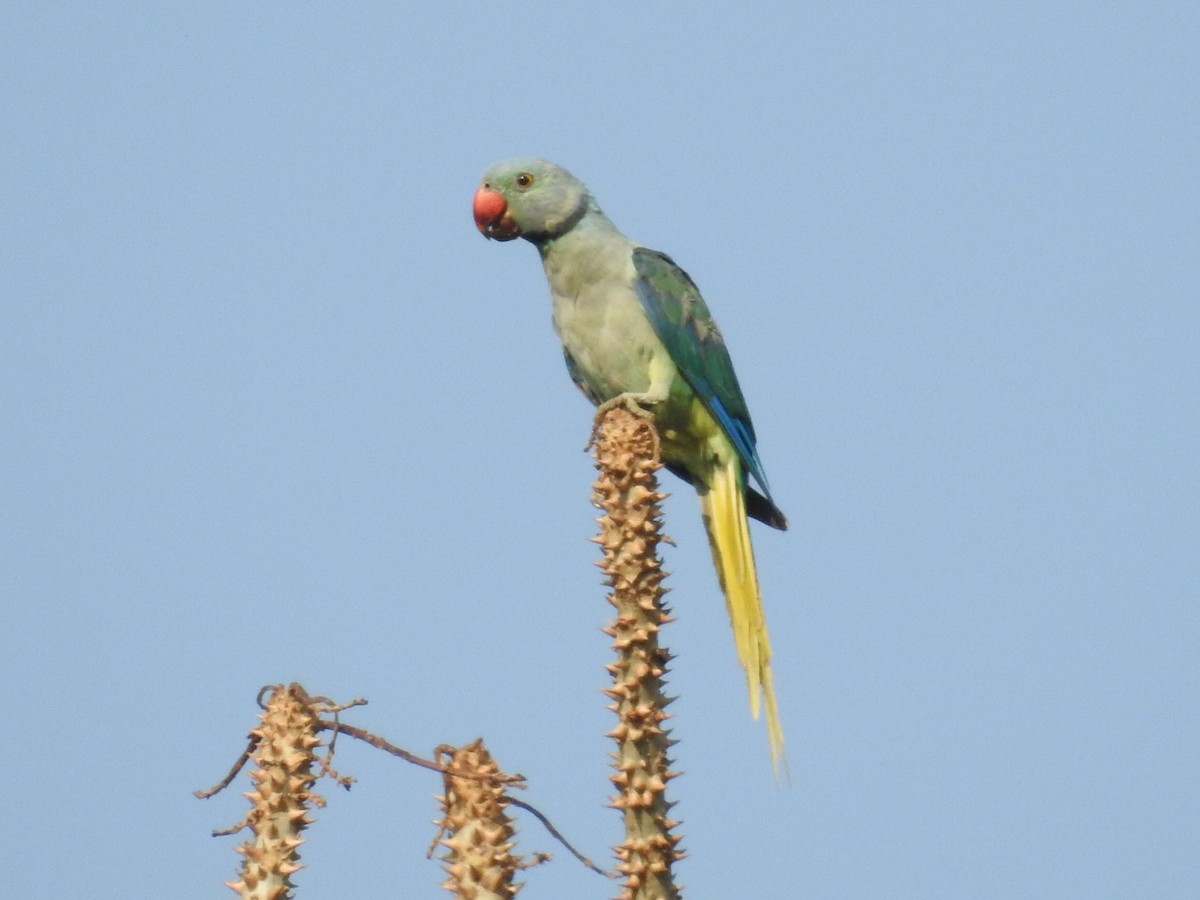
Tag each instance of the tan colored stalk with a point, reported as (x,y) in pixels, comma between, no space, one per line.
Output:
(479,841)
(283,778)
(626,491)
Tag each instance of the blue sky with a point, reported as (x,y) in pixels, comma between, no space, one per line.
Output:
(272,410)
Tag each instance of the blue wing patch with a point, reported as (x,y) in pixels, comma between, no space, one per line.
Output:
(683,323)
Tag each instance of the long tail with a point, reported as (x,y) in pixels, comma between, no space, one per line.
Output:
(724,508)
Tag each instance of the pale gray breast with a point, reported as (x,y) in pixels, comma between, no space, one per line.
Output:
(600,321)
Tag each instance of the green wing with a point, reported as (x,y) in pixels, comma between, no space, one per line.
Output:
(683,323)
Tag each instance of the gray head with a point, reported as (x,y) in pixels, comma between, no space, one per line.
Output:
(530,198)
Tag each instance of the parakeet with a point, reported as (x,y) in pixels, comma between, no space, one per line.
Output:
(634,328)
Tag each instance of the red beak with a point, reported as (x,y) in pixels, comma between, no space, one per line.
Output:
(491,215)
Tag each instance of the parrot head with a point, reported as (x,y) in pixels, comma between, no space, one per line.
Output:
(529,198)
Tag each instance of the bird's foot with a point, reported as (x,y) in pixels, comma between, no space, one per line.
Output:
(635,403)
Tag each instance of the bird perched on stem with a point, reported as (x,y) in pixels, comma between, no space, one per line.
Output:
(635,331)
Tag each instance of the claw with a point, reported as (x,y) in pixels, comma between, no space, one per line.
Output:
(635,403)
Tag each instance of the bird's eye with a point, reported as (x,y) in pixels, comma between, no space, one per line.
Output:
(524,180)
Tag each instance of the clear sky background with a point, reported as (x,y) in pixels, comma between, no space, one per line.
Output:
(272,410)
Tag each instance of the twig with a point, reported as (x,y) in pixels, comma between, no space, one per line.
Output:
(233,772)
(557,835)
(381,744)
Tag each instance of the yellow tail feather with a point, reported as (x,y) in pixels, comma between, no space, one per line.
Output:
(724,508)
